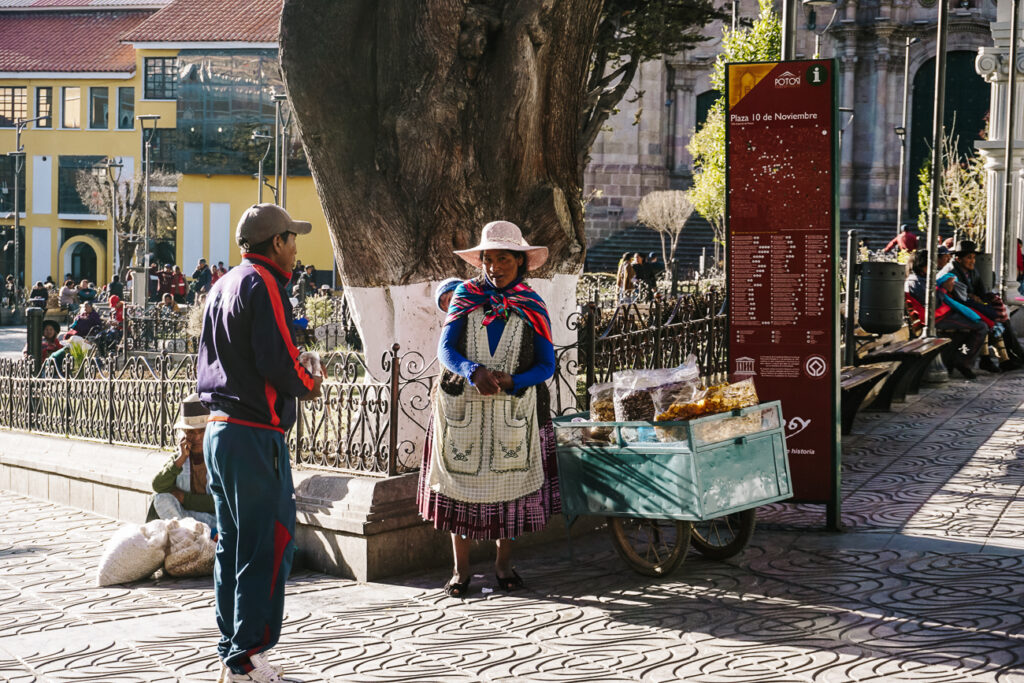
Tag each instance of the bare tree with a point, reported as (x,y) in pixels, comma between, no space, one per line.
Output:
(666,212)
(125,205)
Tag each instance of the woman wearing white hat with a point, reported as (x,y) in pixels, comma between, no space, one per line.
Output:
(489,470)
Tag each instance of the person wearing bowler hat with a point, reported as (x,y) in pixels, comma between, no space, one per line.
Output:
(250,374)
(489,469)
(181,485)
(969,290)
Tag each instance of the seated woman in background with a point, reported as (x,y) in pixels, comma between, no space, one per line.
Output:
(87,321)
(86,292)
(169,305)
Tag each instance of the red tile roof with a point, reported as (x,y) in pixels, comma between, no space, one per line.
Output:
(67,41)
(248,21)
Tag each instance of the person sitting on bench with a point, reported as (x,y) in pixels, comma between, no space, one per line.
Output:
(965,328)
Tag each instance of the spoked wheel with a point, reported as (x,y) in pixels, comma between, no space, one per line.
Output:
(722,537)
(653,547)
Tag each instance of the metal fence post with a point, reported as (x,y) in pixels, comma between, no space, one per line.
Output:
(10,392)
(657,333)
(110,399)
(69,367)
(591,348)
(163,398)
(393,412)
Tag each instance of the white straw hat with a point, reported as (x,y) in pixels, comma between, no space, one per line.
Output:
(508,236)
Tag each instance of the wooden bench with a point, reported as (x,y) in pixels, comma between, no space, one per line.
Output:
(914,356)
(856,383)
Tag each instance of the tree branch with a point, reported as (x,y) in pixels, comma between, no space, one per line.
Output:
(595,117)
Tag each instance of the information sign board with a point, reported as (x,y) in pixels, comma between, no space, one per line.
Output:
(782,256)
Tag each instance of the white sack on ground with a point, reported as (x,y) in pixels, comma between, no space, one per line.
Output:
(191,550)
(133,553)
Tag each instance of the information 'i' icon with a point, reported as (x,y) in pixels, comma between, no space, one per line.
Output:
(816,75)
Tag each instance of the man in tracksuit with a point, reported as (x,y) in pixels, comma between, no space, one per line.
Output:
(250,376)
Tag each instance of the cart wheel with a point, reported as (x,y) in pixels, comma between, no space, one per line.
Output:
(653,547)
(722,537)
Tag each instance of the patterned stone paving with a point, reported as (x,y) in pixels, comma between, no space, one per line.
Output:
(927,584)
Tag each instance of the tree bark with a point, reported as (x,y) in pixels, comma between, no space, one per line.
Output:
(425,119)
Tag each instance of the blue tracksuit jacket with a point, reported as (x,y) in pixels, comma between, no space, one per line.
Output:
(248,365)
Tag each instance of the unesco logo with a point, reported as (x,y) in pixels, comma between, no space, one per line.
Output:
(787,79)
(816,366)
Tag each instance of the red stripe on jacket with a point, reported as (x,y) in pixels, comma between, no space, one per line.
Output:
(282,326)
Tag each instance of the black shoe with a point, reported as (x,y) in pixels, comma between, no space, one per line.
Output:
(966,372)
(988,365)
(510,583)
(1010,365)
(453,589)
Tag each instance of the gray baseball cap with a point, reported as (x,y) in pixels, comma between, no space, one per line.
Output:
(260,222)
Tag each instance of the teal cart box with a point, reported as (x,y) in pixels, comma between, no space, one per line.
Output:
(697,470)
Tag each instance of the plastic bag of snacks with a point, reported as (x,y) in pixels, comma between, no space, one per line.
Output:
(717,399)
(636,392)
(602,409)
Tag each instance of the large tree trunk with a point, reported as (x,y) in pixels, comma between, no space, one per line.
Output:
(425,119)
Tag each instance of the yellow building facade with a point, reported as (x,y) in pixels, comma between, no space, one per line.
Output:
(92,119)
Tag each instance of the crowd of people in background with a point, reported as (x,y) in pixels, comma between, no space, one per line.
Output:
(637,276)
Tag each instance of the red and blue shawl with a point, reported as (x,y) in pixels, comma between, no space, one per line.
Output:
(518,299)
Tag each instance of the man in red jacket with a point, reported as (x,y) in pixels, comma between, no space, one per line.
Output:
(250,374)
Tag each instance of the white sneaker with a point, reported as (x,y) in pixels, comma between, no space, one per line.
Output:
(263,671)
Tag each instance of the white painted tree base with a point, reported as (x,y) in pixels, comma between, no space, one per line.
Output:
(406,314)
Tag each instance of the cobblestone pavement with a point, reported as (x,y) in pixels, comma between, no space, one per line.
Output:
(12,341)
(926,585)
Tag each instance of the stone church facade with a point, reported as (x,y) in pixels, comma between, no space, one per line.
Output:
(644,148)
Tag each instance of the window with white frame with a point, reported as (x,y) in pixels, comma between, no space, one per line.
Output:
(99,107)
(13,105)
(71,107)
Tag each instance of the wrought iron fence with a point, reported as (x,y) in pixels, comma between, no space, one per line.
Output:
(353,426)
(329,322)
(156,331)
(360,424)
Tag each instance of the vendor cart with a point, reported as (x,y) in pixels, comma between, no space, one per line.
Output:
(665,485)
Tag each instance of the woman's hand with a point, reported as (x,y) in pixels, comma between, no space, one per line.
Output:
(485,381)
(504,380)
(184,450)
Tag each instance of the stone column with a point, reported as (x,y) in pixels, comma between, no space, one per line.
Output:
(686,115)
(881,142)
(991,64)
(846,99)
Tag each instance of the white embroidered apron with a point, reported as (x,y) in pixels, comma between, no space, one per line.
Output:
(487,448)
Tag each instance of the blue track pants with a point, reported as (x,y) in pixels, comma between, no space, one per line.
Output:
(251,481)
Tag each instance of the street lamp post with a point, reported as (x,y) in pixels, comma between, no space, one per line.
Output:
(147,141)
(256,136)
(282,142)
(1009,236)
(114,176)
(901,133)
(937,137)
(788,29)
(819,34)
(18,155)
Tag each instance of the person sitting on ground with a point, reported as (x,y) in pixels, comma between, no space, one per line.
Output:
(86,322)
(966,329)
(67,298)
(906,240)
(168,305)
(181,485)
(110,337)
(444,291)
